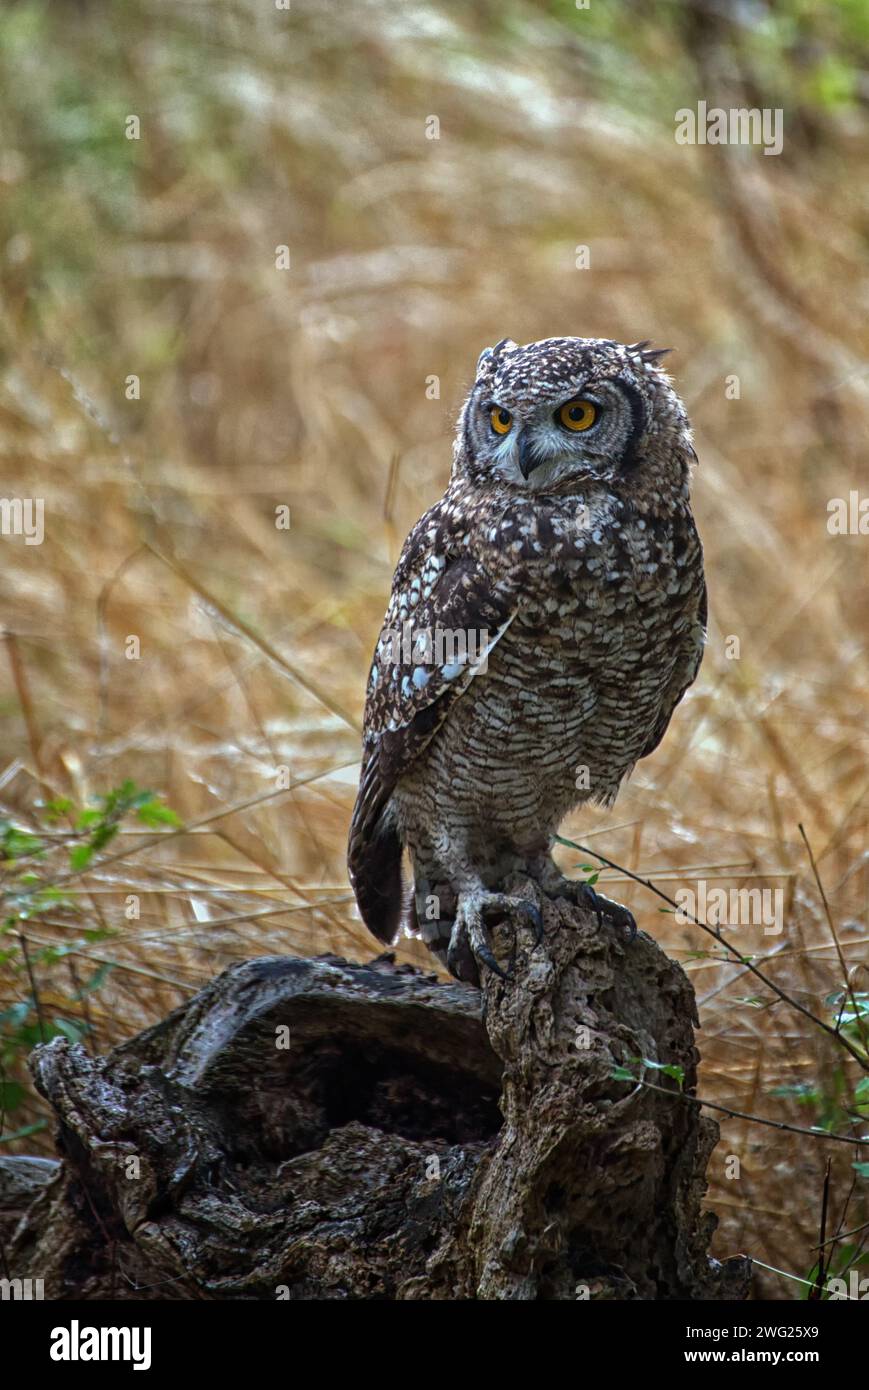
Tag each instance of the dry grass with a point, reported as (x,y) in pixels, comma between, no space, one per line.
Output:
(307,387)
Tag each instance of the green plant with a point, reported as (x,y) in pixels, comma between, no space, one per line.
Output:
(38,868)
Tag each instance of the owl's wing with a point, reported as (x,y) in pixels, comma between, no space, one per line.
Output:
(446,613)
(685,669)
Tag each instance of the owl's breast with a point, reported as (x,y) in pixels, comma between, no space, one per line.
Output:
(580,676)
(569,699)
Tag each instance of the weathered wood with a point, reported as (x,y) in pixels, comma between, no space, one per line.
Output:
(21,1180)
(369,1158)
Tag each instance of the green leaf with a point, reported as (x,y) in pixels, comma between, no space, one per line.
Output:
(675,1072)
(23,1133)
(50,955)
(80,857)
(18,844)
(11,1095)
(806,1092)
(671,1069)
(668,1068)
(156,813)
(73,1032)
(862,1169)
(98,934)
(833,82)
(53,895)
(103,834)
(30,1035)
(16,1014)
(97,979)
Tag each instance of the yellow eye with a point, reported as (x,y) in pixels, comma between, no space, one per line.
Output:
(577,415)
(501,419)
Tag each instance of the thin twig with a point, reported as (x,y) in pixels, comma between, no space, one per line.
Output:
(84,1003)
(36,1000)
(785,1275)
(843,1235)
(818,1290)
(22,688)
(755,1119)
(849,988)
(863,1062)
(162,836)
(239,624)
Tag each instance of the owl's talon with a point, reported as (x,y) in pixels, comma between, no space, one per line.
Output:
(469,948)
(484,953)
(535,920)
(554,884)
(460,961)
(607,911)
(469,942)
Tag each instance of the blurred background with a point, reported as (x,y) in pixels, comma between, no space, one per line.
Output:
(248,258)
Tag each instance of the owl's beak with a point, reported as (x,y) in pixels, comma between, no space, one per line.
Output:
(528,459)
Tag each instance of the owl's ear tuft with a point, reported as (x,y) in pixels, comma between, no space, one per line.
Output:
(489,356)
(647,352)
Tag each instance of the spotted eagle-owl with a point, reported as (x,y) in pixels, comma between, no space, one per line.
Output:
(547,615)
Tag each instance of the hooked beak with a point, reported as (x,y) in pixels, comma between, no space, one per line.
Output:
(527,457)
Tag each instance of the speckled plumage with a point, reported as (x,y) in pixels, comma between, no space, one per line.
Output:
(571,563)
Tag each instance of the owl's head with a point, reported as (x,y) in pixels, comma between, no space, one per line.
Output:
(563,413)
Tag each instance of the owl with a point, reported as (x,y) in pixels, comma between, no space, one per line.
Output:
(547,615)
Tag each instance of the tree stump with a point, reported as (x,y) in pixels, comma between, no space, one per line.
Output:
(321,1129)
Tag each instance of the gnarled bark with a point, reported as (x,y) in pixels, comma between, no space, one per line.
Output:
(319,1129)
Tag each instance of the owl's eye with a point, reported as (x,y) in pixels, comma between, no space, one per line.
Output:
(501,419)
(577,415)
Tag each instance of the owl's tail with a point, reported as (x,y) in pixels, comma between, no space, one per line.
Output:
(374,866)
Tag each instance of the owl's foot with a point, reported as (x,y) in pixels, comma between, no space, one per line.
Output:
(555,885)
(469,941)
(607,911)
